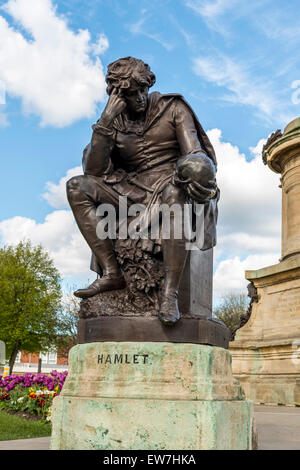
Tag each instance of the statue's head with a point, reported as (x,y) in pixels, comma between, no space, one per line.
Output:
(132,78)
(123,73)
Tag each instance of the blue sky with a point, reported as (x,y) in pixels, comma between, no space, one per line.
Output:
(236,62)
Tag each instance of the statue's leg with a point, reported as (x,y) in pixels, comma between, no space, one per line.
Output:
(84,195)
(174,256)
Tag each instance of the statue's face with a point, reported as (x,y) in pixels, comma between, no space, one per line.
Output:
(136,98)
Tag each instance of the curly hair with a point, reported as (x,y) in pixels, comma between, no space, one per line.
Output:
(122,71)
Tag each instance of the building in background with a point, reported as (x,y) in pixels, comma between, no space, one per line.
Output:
(51,360)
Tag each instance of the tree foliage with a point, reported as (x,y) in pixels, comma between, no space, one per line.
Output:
(30,299)
(230,309)
(68,319)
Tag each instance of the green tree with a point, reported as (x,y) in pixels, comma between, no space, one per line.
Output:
(68,319)
(30,299)
(230,309)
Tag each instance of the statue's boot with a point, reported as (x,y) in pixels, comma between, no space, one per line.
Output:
(169,313)
(81,194)
(105,283)
(174,255)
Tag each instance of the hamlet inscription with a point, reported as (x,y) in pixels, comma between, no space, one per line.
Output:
(123,359)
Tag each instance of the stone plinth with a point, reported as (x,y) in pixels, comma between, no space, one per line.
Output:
(266,351)
(130,396)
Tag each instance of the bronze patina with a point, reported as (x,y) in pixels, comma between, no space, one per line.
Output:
(152,149)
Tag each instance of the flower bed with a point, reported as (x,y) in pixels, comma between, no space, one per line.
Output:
(32,393)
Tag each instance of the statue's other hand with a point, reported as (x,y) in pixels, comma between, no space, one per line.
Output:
(196,174)
(115,106)
(200,193)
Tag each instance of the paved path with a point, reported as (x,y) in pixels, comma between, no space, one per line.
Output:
(278,429)
(42,443)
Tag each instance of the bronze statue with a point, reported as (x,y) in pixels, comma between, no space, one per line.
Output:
(152,149)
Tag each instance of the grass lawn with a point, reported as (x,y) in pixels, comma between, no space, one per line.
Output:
(15,427)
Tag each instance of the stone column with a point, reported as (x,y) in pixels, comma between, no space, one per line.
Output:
(283,156)
(266,350)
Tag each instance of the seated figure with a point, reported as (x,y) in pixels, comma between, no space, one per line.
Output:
(152,149)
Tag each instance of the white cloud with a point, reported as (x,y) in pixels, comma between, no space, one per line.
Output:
(210,9)
(56,193)
(58,234)
(53,71)
(139,28)
(2,93)
(188,37)
(230,273)
(101,45)
(244,87)
(249,225)
(212,13)
(278,23)
(250,201)
(3,119)
(257,150)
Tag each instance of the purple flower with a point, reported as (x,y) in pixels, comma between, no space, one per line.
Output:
(28,380)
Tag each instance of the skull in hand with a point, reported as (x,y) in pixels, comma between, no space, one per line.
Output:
(196,173)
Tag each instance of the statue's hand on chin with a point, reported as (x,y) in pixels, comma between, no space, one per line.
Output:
(115,106)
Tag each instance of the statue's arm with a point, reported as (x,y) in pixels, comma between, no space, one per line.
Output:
(200,185)
(186,132)
(97,155)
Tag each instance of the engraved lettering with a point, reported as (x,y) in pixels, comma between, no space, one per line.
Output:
(100,358)
(145,356)
(135,359)
(108,359)
(118,359)
(123,358)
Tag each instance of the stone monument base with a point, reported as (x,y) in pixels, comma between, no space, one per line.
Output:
(265,352)
(267,371)
(151,395)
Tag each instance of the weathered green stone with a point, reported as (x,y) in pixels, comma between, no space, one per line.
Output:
(151,396)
